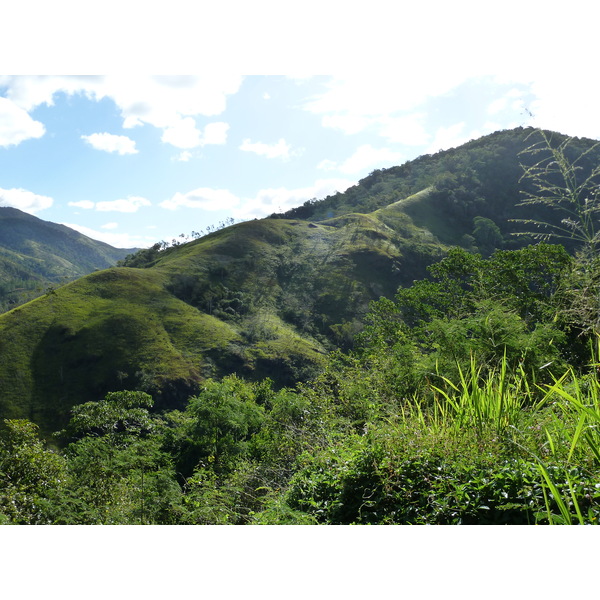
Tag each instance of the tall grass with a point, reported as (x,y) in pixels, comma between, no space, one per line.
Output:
(493,401)
(577,423)
(555,429)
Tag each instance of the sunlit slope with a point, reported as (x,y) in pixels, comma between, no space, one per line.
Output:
(262,298)
(449,193)
(114,329)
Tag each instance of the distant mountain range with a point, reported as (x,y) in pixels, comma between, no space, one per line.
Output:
(263,298)
(37,254)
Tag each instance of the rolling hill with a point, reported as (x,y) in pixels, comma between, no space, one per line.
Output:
(263,298)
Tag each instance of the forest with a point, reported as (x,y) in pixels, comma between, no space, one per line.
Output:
(469,396)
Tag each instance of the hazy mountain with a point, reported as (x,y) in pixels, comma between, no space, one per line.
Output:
(36,254)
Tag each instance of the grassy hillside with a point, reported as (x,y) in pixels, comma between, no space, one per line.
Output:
(36,254)
(264,298)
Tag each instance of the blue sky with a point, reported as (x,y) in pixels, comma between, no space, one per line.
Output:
(132,159)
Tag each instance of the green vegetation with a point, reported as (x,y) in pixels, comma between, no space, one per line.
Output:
(371,367)
(463,402)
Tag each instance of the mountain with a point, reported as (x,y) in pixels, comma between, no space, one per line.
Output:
(263,298)
(37,254)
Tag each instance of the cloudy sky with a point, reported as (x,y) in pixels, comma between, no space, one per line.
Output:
(132,159)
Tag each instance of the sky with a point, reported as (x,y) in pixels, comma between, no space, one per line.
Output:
(131,158)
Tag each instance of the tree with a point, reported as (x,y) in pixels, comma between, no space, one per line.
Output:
(491,309)
(29,474)
(218,424)
(118,472)
(119,414)
(487,235)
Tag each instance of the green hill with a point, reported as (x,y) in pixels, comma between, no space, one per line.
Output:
(264,298)
(37,254)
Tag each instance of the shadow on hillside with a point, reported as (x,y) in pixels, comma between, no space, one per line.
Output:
(70,368)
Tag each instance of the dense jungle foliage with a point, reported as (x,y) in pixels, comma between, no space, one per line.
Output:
(470,396)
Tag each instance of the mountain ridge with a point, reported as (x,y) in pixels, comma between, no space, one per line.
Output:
(36,254)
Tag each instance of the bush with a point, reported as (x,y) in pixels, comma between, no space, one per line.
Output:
(385,479)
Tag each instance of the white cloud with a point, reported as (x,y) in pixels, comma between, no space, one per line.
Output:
(450,137)
(202,198)
(165,102)
(111,143)
(16,125)
(393,107)
(156,100)
(406,129)
(85,204)
(387,106)
(110,226)
(24,200)
(327,165)
(513,100)
(362,97)
(264,203)
(562,86)
(164,98)
(348,123)
(365,157)
(353,103)
(497,106)
(274,200)
(30,91)
(569,106)
(185,134)
(215,133)
(183,156)
(491,126)
(117,240)
(279,150)
(130,204)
